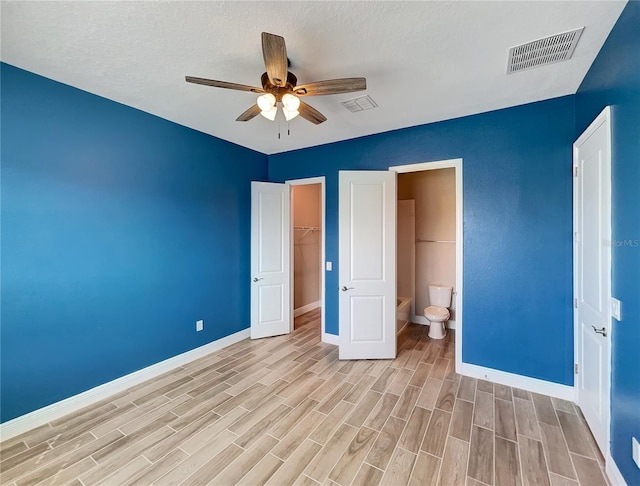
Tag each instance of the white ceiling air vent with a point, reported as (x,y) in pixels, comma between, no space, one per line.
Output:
(359,104)
(548,50)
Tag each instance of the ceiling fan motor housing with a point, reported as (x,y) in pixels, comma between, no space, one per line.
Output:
(279,91)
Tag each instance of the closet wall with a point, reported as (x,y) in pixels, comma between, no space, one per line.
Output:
(306,245)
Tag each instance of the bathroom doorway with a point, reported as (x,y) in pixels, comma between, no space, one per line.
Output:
(307,252)
(429,240)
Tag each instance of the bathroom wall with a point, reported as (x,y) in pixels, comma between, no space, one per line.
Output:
(406,250)
(306,245)
(434,192)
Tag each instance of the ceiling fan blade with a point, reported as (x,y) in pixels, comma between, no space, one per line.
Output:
(274,52)
(331,86)
(223,84)
(309,113)
(249,114)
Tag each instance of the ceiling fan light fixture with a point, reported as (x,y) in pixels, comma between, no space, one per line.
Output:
(291,102)
(281,85)
(267,102)
(289,114)
(270,114)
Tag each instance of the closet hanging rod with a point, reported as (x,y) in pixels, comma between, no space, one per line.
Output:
(434,241)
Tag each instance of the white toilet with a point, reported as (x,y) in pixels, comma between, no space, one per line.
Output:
(438,312)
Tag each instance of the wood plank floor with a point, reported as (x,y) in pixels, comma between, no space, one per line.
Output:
(285,410)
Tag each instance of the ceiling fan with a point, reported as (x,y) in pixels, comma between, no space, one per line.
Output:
(281,86)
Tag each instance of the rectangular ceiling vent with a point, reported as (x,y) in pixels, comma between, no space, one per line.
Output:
(359,104)
(548,50)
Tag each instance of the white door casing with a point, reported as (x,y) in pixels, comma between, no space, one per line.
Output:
(301,182)
(592,275)
(456,164)
(271,312)
(367,270)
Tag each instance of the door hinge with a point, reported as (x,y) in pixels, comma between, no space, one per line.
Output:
(575,303)
(575,171)
(575,368)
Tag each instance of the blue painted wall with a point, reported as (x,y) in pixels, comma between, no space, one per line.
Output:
(518,313)
(614,79)
(119,231)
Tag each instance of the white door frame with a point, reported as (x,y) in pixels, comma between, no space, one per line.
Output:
(457,165)
(326,338)
(603,118)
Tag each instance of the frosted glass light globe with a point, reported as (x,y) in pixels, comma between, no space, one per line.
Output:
(266,101)
(289,114)
(270,114)
(291,102)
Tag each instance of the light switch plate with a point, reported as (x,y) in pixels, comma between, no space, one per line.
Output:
(199,325)
(616,310)
(329,266)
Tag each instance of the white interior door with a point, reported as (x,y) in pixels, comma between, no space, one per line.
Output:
(592,274)
(271,312)
(367,270)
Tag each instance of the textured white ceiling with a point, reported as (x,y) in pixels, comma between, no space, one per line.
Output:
(424,61)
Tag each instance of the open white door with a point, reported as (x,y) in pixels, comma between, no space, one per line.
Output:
(367,273)
(270,262)
(592,275)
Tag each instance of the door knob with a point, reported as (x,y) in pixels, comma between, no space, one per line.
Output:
(345,288)
(602,331)
(256,279)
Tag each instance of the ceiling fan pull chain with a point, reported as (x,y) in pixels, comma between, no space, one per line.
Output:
(288,129)
(278,130)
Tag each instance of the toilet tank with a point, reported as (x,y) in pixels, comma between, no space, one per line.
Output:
(440,295)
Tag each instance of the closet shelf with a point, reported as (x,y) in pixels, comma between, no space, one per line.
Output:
(306,229)
(434,241)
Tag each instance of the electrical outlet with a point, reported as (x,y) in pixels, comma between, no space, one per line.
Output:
(616,309)
(199,325)
(635,452)
(329,266)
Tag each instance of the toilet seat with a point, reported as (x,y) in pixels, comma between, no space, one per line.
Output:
(437,314)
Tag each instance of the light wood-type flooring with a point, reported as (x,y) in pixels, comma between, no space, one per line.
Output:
(285,411)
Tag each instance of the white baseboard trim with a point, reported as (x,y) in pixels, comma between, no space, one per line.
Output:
(423,320)
(306,308)
(524,382)
(330,338)
(42,416)
(614,475)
